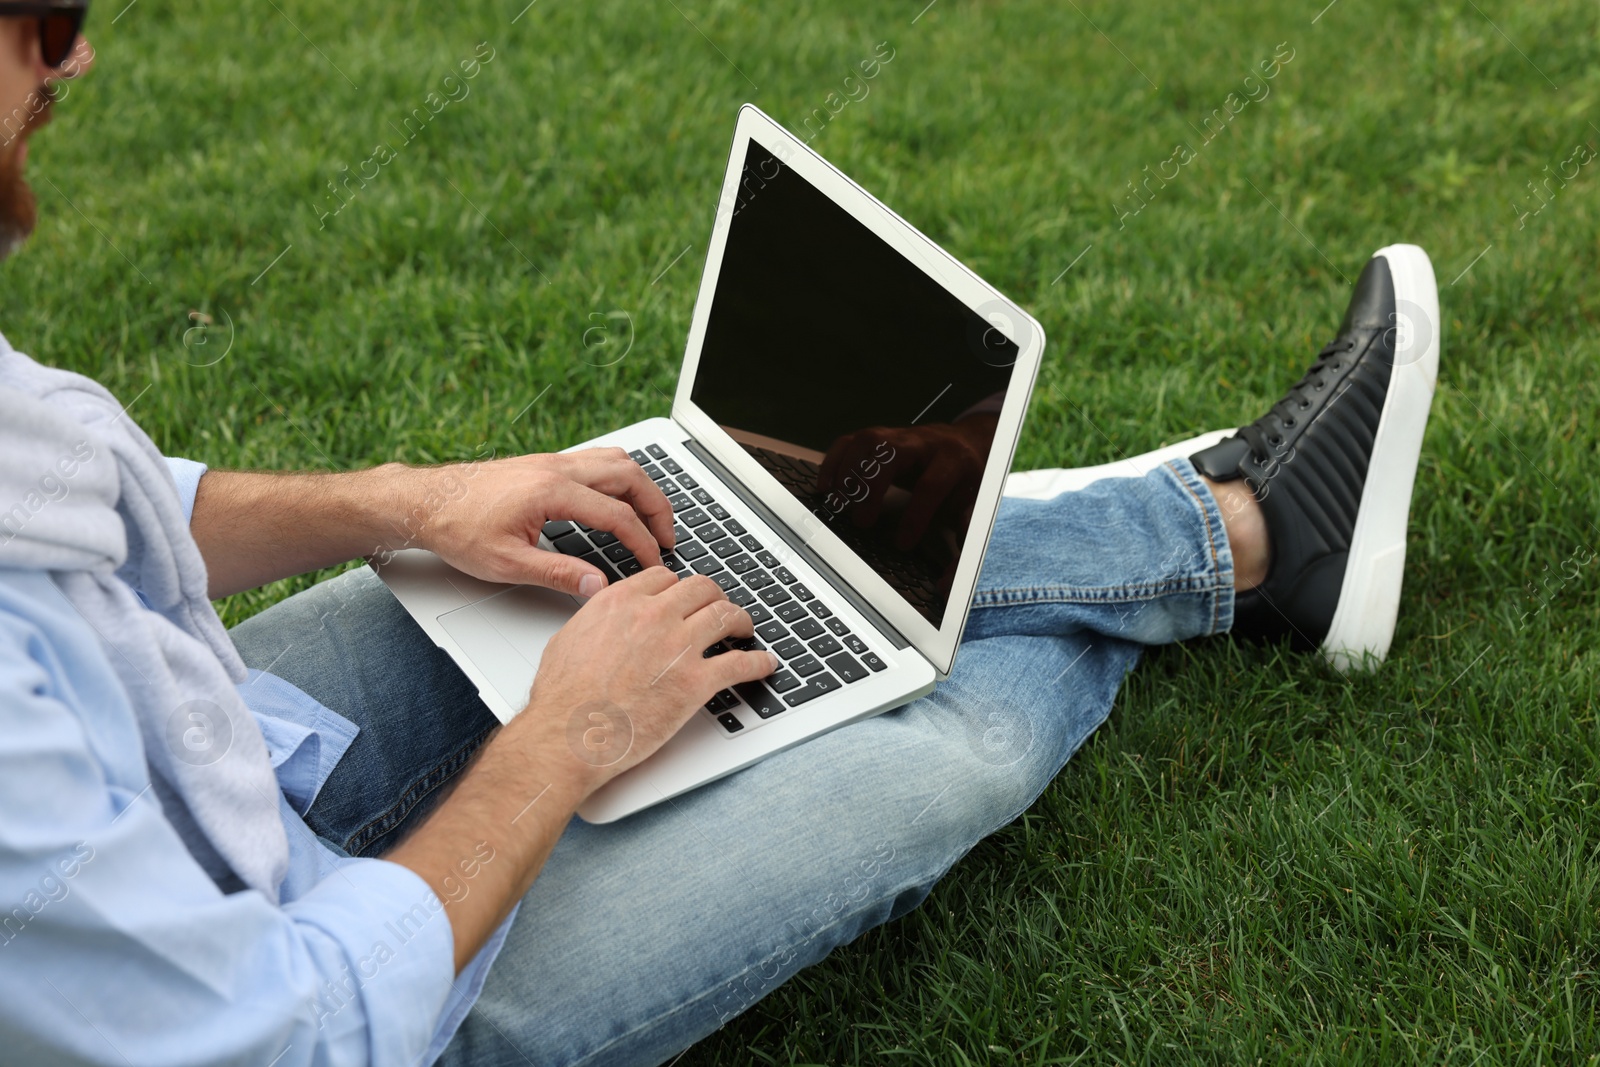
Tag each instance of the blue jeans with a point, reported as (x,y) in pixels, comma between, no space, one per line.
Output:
(643,936)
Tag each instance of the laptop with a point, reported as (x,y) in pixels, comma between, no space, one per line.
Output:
(848,407)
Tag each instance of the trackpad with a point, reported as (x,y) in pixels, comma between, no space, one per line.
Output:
(504,635)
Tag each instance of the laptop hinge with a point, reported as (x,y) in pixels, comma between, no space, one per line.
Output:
(792,539)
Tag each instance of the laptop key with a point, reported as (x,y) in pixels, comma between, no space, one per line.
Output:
(657,451)
(838,627)
(758,579)
(693,517)
(747,540)
(788,648)
(820,610)
(617,553)
(825,646)
(760,699)
(655,472)
(806,629)
(790,611)
(822,683)
(730,722)
(671,466)
(679,502)
(741,563)
(736,528)
(724,548)
(710,531)
(681,533)
(691,550)
(759,613)
(557,528)
(805,665)
(728,581)
(846,667)
(685,480)
(785,575)
(702,497)
(630,567)
(639,457)
(721,700)
(768,560)
(572,544)
(738,595)
(718,512)
(854,643)
(668,486)
(772,631)
(774,595)
(673,563)
(801,592)
(599,561)
(783,681)
(871,660)
(709,565)
(602,538)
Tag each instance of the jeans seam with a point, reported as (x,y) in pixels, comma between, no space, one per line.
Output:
(1011,595)
(419,790)
(1211,543)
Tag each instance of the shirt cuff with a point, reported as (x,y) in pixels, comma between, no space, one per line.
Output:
(400,961)
(186,472)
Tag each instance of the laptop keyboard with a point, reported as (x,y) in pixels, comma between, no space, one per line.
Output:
(820,653)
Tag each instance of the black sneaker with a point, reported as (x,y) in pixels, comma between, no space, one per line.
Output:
(1333,463)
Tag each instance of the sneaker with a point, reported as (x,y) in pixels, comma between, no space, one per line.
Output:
(1333,463)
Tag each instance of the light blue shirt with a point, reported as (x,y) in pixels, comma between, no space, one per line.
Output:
(117,948)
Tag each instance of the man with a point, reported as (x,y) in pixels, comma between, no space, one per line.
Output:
(339,856)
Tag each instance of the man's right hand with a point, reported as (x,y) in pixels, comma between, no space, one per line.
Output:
(628,670)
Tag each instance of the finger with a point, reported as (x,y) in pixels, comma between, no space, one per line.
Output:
(593,508)
(731,668)
(652,581)
(693,595)
(718,620)
(565,574)
(613,472)
(927,496)
(835,459)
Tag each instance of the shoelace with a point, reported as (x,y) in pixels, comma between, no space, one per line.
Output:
(1264,440)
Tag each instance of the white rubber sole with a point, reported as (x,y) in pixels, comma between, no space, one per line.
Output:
(1369,599)
(1044,484)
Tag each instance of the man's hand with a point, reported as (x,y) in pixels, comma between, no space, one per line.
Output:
(629,669)
(483,517)
(618,679)
(487,516)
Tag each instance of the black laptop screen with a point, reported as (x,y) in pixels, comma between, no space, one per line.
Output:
(869,391)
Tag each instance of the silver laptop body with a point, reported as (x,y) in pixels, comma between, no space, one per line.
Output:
(825,326)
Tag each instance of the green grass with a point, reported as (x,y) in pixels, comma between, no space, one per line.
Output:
(1254,858)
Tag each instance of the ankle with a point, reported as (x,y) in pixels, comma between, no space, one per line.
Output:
(1246,525)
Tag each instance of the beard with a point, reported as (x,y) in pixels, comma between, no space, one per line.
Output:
(19,211)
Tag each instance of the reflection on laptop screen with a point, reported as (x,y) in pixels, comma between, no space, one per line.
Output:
(865,388)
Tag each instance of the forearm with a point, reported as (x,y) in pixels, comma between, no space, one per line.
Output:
(254,528)
(483,846)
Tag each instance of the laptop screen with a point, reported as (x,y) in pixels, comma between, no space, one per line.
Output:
(864,387)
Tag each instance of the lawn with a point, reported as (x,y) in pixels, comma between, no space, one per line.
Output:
(1255,858)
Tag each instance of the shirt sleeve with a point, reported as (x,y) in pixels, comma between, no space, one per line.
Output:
(118,948)
(186,472)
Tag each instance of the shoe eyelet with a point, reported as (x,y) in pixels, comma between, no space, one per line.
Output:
(1336,366)
(1275,440)
(1321,386)
(1305,405)
(1289,422)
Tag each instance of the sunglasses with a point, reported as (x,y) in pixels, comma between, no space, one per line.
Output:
(59,24)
